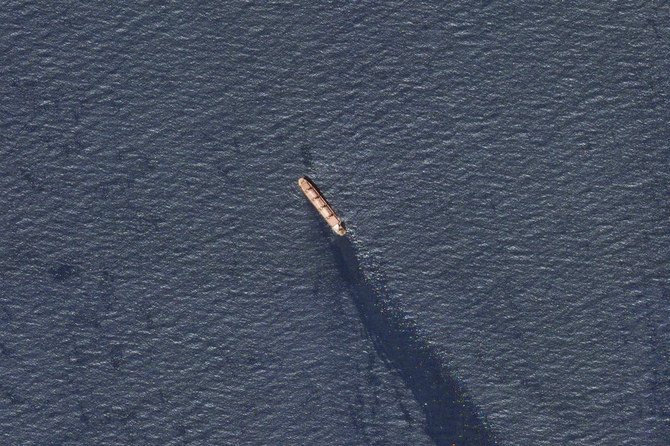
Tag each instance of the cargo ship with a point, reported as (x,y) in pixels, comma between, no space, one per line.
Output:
(317,199)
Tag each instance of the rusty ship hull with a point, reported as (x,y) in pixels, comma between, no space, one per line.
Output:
(319,202)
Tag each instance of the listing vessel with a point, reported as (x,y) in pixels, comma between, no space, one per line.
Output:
(317,199)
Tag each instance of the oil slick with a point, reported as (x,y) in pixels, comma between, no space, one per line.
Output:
(451,418)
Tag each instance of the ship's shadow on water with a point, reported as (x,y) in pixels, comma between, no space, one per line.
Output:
(450,417)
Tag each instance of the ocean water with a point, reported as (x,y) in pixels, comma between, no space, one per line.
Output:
(503,169)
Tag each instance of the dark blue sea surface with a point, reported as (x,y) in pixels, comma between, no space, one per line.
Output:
(503,169)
